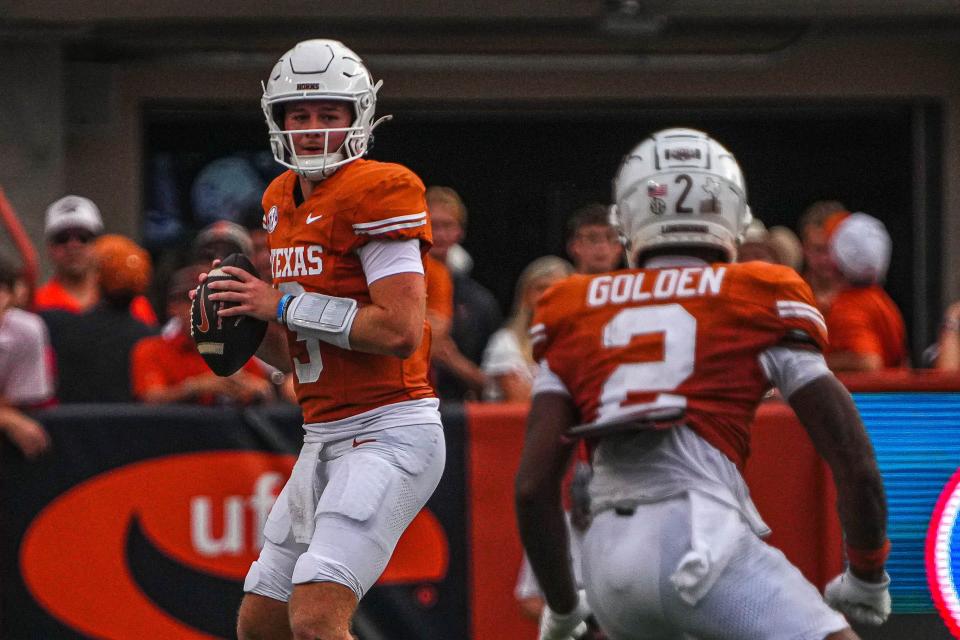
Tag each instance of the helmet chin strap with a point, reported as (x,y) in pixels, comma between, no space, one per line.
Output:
(324,170)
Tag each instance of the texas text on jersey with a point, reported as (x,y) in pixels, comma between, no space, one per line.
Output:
(314,247)
(640,341)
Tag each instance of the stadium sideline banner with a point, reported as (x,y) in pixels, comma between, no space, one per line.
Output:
(142,522)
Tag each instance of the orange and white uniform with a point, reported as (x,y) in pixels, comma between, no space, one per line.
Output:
(315,247)
(670,507)
(649,340)
(373,449)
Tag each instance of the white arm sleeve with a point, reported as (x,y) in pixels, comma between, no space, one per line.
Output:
(790,369)
(382,258)
(546,381)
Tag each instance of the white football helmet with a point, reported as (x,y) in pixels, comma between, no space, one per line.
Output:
(320,70)
(680,188)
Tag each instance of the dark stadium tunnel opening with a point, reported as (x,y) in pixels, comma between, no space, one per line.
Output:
(208,605)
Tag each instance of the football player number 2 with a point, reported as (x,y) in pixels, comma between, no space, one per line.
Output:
(679,330)
(308,371)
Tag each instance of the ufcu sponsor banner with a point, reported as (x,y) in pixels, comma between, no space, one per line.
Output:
(142,524)
(203,511)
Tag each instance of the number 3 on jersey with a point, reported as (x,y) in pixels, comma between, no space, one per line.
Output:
(308,371)
(679,330)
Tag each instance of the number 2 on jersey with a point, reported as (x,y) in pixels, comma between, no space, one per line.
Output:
(679,330)
(308,371)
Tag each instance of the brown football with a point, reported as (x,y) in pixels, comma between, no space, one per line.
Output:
(226,344)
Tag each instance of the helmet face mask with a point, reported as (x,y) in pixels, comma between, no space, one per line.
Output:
(680,189)
(320,70)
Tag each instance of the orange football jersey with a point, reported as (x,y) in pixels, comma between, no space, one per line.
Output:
(641,341)
(313,247)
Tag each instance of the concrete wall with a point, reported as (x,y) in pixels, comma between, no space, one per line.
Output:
(32,142)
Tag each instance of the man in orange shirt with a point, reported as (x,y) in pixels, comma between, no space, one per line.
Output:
(347,240)
(168,368)
(866,328)
(73,222)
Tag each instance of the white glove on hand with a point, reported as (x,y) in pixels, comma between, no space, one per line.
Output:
(565,626)
(860,601)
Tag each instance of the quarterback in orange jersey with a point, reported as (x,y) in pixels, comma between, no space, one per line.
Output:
(661,368)
(347,238)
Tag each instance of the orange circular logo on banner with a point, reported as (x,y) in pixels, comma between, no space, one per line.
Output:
(204,511)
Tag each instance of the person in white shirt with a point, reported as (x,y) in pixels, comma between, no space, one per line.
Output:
(508,358)
(26,379)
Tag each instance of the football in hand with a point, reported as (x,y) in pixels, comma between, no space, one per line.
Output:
(226,344)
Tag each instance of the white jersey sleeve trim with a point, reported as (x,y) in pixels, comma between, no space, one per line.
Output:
(382,258)
(796,309)
(391,224)
(546,381)
(790,369)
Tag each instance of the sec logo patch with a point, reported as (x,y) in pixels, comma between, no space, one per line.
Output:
(270,220)
(943,555)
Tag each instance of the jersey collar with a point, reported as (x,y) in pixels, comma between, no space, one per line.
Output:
(665,262)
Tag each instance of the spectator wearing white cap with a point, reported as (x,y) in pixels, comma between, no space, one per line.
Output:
(866,329)
(72,224)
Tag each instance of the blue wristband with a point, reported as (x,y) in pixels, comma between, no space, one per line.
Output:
(282,306)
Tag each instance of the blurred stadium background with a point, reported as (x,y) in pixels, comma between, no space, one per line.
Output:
(152,110)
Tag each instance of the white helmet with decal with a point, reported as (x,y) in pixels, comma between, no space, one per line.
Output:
(320,70)
(680,188)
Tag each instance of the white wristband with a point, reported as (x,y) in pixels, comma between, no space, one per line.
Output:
(323,317)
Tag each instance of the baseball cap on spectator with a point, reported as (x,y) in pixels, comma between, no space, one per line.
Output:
(73,212)
(860,246)
(125,267)
(220,239)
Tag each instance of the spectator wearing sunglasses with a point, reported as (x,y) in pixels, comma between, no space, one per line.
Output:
(73,223)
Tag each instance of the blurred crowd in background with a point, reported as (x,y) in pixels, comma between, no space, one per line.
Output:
(112,322)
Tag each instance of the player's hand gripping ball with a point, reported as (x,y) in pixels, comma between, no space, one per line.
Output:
(226,344)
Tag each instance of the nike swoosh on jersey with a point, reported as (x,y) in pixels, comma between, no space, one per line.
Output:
(357,443)
(313,218)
